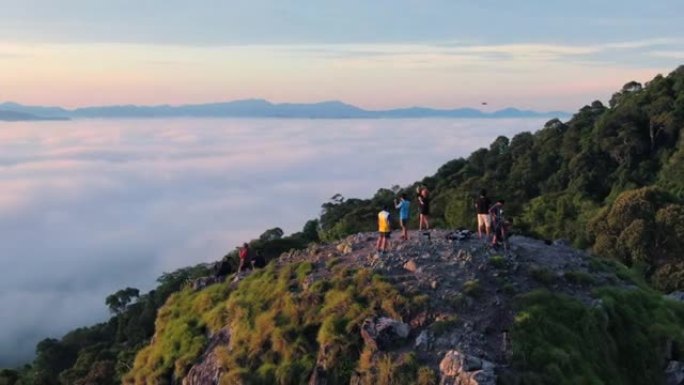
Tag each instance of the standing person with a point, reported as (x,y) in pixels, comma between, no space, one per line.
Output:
(258,261)
(384,229)
(243,253)
(482,206)
(496,215)
(403,205)
(424,203)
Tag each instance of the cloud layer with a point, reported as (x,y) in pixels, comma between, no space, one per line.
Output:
(88,207)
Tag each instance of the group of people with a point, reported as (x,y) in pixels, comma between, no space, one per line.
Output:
(490,219)
(247,258)
(403,205)
(490,223)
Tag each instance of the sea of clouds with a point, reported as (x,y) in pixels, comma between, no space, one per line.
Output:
(91,206)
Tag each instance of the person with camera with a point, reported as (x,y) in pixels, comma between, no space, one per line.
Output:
(403,205)
(424,204)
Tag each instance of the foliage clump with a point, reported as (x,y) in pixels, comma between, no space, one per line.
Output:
(620,340)
(644,227)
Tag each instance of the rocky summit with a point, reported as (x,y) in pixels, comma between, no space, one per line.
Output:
(441,308)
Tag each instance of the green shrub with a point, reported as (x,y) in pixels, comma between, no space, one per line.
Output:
(497,261)
(426,376)
(442,326)
(543,275)
(558,340)
(472,288)
(579,278)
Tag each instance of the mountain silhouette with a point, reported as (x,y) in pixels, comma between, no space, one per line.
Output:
(260,108)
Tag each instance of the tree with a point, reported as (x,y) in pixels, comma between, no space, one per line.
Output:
(118,301)
(310,231)
(52,357)
(272,234)
(8,377)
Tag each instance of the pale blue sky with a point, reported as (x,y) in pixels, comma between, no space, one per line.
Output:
(363,52)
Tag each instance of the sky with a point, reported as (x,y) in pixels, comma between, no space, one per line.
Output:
(88,207)
(544,55)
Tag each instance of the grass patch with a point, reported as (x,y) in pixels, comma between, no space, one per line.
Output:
(497,261)
(509,288)
(472,288)
(277,327)
(579,278)
(442,326)
(303,270)
(332,262)
(635,274)
(543,275)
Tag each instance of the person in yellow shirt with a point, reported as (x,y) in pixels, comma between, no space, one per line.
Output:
(384,229)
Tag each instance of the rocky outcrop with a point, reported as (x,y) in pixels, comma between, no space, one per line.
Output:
(202,282)
(457,368)
(345,247)
(207,371)
(465,287)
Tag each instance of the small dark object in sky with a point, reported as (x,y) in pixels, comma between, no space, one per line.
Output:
(484,103)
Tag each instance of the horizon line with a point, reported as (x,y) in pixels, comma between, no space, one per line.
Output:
(258,99)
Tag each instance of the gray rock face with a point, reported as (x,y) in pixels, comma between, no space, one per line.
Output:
(674,373)
(383,332)
(208,370)
(203,282)
(677,296)
(457,368)
(561,243)
(424,340)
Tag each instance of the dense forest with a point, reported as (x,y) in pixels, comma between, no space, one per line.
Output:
(611,179)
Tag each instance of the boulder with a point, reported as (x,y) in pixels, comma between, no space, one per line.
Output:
(457,368)
(411,266)
(345,248)
(381,333)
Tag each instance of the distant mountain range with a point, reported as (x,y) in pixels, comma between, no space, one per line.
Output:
(258,108)
(15,116)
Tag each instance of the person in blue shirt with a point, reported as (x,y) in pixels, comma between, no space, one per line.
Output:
(403,205)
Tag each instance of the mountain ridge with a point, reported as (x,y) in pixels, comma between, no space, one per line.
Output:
(261,108)
(14,116)
(609,180)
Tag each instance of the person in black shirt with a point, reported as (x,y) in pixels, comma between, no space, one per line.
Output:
(258,261)
(482,206)
(424,203)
